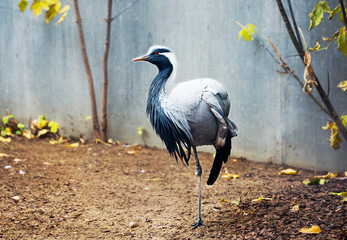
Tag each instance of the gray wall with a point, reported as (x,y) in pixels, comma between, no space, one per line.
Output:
(41,71)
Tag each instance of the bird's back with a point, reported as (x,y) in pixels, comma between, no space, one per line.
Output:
(194,99)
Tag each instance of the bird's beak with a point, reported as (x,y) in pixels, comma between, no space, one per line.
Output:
(141,58)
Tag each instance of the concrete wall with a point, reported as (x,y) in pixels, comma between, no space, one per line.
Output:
(41,72)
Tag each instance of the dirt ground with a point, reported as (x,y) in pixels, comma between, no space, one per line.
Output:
(101,192)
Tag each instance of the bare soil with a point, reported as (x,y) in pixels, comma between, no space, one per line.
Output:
(101,192)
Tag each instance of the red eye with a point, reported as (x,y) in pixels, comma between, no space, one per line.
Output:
(157,53)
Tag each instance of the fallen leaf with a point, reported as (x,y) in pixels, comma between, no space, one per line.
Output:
(342,194)
(5,140)
(237,201)
(261,199)
(314,181)
(42,132)
(295,208)
(223,201)
(131,152)
(60,140)
(288,171)
(228,175)
(27,134)
(16,198)
(327,176)
(151,179)
(3,155)
(343,85)
(17,160)
(99,140)
(110,141)
(76,144)
(314,229)
(8,131)
(138,147)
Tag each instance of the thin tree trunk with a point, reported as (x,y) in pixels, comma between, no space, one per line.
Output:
(105,73)
(95,119)
(319,87)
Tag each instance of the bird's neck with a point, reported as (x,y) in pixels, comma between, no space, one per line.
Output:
(157,92)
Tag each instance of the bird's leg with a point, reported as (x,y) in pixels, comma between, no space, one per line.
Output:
(198,173)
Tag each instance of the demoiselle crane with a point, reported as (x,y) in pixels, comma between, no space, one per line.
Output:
(195,113)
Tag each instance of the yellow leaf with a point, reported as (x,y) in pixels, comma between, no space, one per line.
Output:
(5,140)
(99,140)
(110,141)
(88,117)
(345,173)
(288,171)
(27,134)
(295,208)
(8,131)
(151,179)
(64,9)
(36,7)
(57,142)
(261,199)
(342,194)
(223,201)
(343,85)
(22,5)
(131,152)
(42,132)
(228,175)
(3,155)
(76,144)
(327,176)
(44,5)
(334,137)
(61,19)
(314,229)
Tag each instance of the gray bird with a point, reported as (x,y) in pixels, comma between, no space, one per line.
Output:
(195,113)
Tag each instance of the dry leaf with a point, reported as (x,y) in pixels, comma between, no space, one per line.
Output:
(223,201)
(295,208)
(138,147)
(76,144)
(3,155)
(131,152)
(16,198)
(27,134)
(261,199)
(42,132)
(228,175)
(288,171)
(327,176)
(5,140)
(314,181)
(151,179)
(314,229)
(342,194)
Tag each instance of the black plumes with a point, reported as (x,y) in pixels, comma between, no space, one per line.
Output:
(222,155)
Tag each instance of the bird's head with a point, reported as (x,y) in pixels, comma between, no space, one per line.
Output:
(160,56)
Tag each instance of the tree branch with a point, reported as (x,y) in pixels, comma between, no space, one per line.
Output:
(319,87)
(124,9)
(95,119)
(105,73)
(343,13)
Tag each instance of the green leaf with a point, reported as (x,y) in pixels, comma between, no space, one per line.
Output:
(315,48)
(342,41)
(247,32)
(5,120)
(140,130)
(20,126)
(316,16)
(334,12)
(344,119)
(23,5)
(42,122)
(18,132)
(314,181)
(54,126)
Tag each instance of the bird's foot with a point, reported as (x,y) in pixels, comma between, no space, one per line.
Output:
(198,223)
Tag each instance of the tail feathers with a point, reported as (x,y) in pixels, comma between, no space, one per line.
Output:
(222,155)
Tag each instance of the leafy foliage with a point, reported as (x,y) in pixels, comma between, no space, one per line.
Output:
(316,17)
(52,8)
(247,32)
